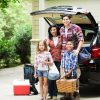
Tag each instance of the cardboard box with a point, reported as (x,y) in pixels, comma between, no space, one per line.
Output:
(21,87)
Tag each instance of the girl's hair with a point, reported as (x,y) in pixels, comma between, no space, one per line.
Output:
(49,33)
(45,46)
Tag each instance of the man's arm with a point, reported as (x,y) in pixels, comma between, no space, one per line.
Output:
(79,47)
(80,37)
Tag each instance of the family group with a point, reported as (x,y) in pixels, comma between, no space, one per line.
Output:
(64,45)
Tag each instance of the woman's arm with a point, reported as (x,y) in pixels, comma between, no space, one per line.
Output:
(62,66)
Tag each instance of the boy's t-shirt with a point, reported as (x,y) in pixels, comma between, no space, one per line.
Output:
(69,60)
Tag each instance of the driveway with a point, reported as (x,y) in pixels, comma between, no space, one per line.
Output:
(9,74)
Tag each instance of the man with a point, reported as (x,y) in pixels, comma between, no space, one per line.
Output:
(69,31)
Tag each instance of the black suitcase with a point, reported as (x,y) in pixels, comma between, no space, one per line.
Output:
(28,71)
(29,74)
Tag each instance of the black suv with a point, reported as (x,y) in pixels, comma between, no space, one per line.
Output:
(90,71)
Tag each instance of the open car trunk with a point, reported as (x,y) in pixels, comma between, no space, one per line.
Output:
(80,16)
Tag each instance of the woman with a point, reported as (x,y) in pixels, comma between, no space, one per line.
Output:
(55,44)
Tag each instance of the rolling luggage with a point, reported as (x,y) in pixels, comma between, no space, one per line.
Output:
(29,74)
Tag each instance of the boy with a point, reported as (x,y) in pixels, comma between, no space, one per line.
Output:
(69,62)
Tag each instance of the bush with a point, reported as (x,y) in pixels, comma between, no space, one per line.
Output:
(7,54)
(15,35)
(23,36)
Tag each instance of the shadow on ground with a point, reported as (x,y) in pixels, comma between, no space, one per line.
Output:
(90,91)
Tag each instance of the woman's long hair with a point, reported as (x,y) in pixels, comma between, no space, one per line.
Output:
(49,33)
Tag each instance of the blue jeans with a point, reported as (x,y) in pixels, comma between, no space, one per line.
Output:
(52,87)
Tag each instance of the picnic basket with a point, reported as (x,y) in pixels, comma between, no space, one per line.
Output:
(66,85)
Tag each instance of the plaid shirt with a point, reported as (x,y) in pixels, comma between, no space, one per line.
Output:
(73,30)
(69,61)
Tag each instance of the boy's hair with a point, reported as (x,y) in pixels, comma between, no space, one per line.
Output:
(45,46)
(69,16)
(70,41)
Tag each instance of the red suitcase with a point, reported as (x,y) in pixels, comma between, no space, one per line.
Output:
(21,87)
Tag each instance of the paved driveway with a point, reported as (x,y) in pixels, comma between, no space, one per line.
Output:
(6,86)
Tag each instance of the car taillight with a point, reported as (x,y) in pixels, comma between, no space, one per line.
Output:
(95,54)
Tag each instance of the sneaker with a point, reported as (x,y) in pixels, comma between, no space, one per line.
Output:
(76,95)
(41,98)
(49,97)
(35,93)
(54,97)
(72,98)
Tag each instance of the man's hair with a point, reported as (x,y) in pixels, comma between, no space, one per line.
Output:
(69,16)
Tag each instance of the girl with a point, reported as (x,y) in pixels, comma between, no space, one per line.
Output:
(55,44)
(42,61)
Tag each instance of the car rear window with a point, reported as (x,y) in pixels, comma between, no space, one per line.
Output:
(76,19)
(88,35)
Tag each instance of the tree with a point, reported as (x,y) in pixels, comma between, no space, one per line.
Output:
(5,3)
(13,23)
(22,38)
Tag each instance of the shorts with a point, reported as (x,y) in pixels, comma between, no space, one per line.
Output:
(42,73)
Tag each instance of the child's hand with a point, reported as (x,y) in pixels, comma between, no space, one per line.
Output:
(67,74)
(35,75)
(44,62)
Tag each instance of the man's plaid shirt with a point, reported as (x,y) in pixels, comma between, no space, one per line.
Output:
(74,29)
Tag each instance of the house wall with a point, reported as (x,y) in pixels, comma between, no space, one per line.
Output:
(35,30)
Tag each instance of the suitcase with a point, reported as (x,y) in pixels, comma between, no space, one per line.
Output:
(29,74)
(21,87)
(28,71)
